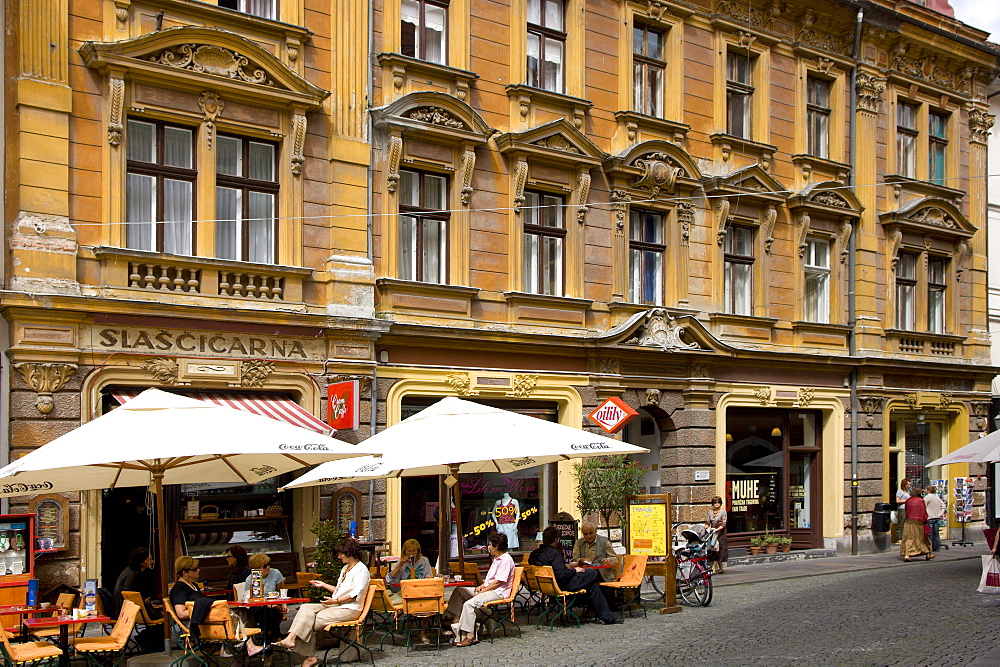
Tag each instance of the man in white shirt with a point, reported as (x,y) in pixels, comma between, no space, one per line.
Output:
(935,515)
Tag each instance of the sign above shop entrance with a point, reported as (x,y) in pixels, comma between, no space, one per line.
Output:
(343,407)
(612,414)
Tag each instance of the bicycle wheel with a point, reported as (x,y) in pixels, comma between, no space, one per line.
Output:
(650,591)
(695,587)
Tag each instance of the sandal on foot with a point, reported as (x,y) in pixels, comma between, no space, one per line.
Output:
(907,560)
(929,556)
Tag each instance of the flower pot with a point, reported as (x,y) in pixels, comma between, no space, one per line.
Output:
(785,548)
(771,548)
(754,550)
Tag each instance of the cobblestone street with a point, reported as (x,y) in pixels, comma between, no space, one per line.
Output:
(847,618)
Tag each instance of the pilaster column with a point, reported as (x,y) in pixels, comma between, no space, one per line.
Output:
(980,123)
(870,88)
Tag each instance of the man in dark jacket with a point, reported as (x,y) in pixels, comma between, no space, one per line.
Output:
(572,579)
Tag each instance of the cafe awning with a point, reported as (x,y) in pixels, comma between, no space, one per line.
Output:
(274,406)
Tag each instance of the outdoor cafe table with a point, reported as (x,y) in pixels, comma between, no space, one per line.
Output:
(23,610)
(267,602)
(63,623)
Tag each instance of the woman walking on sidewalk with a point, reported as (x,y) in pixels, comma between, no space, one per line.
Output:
(914,541)
(719,553)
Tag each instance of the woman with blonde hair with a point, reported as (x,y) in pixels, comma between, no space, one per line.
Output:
(412,565)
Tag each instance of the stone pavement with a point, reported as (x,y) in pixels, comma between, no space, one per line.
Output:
(851,610)
(843,610)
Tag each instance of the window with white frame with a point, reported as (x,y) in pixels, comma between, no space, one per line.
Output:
(423,227)
(646,251)
(818,116)
(265,9)
(246,199)
(817,277)
(648,67)
(544,236)
(739,94)
(546,44)
(937,289)
(906,139)
(937,149)
(906,291)
(160,187)
(739,259)
(423,30)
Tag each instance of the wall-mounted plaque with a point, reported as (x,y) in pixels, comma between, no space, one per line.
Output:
(52,518)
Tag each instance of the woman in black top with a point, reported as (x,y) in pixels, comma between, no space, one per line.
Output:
(185,590)
(137,576)
(239,565)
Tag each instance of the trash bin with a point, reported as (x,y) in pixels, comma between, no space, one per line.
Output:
(880,517)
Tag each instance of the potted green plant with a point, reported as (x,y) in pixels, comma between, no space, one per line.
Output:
(771,541)
(755,545)
(786,544)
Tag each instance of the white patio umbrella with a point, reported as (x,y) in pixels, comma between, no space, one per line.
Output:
(454,436)
(983,450)
(161,438)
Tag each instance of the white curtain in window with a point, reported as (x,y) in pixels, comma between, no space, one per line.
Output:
(553,74)
(227,225)
(140,212)
(407,248)
(260,227)
(262,8)
(177,147)
(228,156)
(177,200)
(530,264)
(434,251)
(738,288)
(140,142)
(552,266)
(434,42)
(261,166)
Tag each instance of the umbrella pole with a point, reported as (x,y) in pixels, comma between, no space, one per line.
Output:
(162,556)
(456,489)
(444,527)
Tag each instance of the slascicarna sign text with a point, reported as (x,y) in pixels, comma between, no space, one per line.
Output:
(229,344)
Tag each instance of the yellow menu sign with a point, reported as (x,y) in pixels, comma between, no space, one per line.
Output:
(647,533)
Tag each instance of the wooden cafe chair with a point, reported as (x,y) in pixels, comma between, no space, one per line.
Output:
(559,602)
(352,636)
(633,570)
(496,610)
(422,599)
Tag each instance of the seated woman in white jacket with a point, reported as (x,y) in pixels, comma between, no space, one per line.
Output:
(343,604)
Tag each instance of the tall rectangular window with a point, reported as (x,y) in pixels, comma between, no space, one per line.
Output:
(937,137)
(817,275)
(646,252)
(544,234)
(423,227)
(906,139)
(906,291)
(265,9)
(648,67)
(159,187)
(739,95)
(546,44)
(818,116)
(423,30)
(246,199)
(937,289)
(739,260)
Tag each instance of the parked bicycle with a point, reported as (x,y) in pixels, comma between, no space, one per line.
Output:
(693,572)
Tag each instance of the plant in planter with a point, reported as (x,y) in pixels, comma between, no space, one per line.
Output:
(328,566)
(786,544)
(755,545)
(771,542)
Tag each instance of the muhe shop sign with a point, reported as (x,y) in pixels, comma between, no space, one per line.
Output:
(204,343)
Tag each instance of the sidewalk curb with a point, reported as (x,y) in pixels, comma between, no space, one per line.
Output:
(847,568)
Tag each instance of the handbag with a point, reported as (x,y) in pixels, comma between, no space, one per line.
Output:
(893,517)
(990,581)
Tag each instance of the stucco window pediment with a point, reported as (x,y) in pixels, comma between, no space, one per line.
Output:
(830,198)
(433,116)
(930,216)
(557,141)
(751,182)
(186,58)
(654,166)
(659,328)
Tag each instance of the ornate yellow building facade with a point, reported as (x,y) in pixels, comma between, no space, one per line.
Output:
(761,225)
